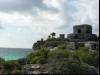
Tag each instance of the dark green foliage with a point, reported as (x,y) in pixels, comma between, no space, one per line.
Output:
(58,67)
(70,67)
(2,60)
(50,42)
(58,54)
(62,46)
(10,67)
(87,69)
(62,61)
(66,62)
(17,71)
(38,57)
(38,45)
(88,56)
(2,65)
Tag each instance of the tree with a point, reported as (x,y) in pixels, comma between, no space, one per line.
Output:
(39,57)
(2,61)
(70,66)
(88,56)
(53,34)
(62,61)
(49,37)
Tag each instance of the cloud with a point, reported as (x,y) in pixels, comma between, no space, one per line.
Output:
(19,5)
(26,28)
(26,21)
(77,12)
(1,25)
(23,6)
(69,11)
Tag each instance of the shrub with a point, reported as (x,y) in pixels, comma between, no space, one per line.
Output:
(38,57)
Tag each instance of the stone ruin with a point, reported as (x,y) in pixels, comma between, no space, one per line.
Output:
(82,37)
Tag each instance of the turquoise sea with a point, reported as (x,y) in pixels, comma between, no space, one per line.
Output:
(14,53)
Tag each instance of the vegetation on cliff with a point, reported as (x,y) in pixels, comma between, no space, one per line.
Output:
(62,61)
(50,42)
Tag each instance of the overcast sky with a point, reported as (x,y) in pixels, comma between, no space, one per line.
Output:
(22,22)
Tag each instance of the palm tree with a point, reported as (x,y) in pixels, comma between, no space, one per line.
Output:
(53,34)
(49,37)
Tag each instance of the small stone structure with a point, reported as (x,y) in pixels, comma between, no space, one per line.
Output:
(82,37)
(62,36)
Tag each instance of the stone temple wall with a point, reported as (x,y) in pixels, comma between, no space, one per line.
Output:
(82,29)
(81,35)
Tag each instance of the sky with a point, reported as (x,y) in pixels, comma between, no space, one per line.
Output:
(23,22)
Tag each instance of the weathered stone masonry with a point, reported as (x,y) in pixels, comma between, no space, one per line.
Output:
(82,37)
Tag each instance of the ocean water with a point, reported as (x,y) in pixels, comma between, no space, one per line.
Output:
(14,53)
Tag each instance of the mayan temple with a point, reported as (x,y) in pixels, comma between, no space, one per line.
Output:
(82,36)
